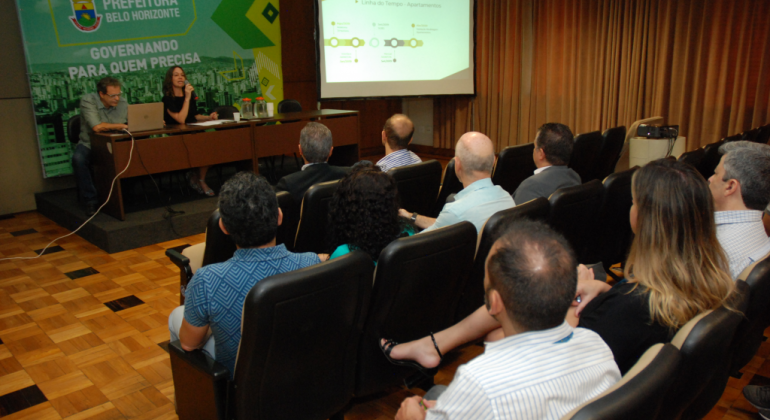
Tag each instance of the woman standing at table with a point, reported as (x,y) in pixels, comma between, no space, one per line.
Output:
(180,107)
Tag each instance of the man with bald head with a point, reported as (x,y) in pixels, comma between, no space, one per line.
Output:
(479,199)
(396,136)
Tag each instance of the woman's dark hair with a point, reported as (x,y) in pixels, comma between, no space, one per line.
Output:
(168,81)
(363,212)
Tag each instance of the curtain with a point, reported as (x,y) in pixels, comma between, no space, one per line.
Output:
(596,64)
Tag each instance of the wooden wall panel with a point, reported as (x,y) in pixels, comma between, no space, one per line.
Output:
(299,75)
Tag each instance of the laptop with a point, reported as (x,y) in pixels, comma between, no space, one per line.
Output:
(143,117)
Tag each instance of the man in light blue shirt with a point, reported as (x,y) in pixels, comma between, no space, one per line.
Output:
(396,137)
(479,199)
(741,192)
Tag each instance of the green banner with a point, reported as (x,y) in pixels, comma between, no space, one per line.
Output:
(229,49)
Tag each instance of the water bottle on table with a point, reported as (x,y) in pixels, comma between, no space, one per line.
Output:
(247,108)
(260,107)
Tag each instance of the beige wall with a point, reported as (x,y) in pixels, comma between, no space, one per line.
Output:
(21,174)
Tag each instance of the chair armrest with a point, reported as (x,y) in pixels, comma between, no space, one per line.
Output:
(185,271)
(200,384)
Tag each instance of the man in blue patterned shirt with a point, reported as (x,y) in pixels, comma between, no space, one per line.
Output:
(396,136)
(211,316)
(741,192)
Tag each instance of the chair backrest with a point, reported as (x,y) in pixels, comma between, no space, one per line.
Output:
(225,112)
(609,152)
(219,247)
(301,332)
(416,288)
(573,214)
(287,231)
(73,129)
(585,154)
(472,296)
(289,105)
(612,237)
(751,135)
(693,157)
(314,218)
(450,185)
(750,332)
(639,392)
(764,134)
(704,343)
(711,157)
(514,165)
(418,185)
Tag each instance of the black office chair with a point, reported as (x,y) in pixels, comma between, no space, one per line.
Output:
(750,333)
(418,185)
(472,296)
(573,214)
(314,218)
(764,134)
(585,154)
(514,165)
(711,157)
(609,152)
(416,288)
(704,343)
(612,237)
(638,394)
(300,336)
(225,112)
(693,157)
(73,129)
(287,231)
(289,105)
(751,135)
(450,185)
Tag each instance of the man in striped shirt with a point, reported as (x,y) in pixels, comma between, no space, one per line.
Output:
(543,368)
(396,136)
(741,192)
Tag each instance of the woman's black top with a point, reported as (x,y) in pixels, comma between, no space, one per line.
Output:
(174,104)
(622,318)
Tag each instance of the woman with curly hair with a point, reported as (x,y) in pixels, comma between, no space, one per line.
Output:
(363,213)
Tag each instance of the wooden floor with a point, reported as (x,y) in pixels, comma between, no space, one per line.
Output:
(83,332)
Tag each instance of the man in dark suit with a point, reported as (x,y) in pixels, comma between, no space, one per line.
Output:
(553,149)
(315,146)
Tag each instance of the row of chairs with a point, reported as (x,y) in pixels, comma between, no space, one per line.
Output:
(312,335)
(706,158)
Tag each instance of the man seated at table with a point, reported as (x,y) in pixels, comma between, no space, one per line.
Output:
(396,136)
(479,199)
(542,368)
(315,146)
(211,316)
(104,110)
(553,149)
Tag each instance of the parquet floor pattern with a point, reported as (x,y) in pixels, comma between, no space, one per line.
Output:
(82,333)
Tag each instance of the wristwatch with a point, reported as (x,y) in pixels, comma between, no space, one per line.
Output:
(414,217)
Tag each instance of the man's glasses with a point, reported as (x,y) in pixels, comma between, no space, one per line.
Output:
(116,95)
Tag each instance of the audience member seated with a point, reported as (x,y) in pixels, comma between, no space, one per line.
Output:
(675,270)
(741,189)
(396,136)
(363,213)
(315,146)
(211,316)
(553,149)
(479,199)
(542,367)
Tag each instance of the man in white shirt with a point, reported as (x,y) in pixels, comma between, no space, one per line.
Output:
(396,136)
(740,187)
(543,368)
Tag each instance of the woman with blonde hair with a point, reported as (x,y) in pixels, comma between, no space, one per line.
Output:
(675,270)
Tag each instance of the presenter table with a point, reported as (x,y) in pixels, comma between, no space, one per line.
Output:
(189,146)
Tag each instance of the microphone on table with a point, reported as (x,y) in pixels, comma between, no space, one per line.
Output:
(191,93)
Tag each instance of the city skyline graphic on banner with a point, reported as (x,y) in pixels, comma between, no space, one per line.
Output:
(229,50)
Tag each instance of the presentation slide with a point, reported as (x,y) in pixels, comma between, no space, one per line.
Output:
(374,48)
